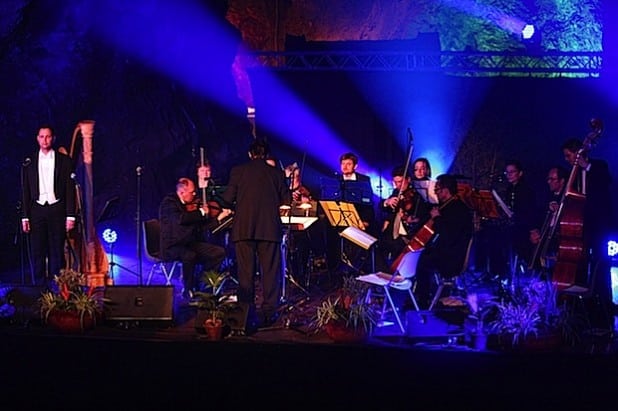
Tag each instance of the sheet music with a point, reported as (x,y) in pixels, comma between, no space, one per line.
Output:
(502,204)
(426,190)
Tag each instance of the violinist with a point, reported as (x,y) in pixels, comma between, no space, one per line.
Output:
(404,210)
(421,180)
(182,221)
(219,212)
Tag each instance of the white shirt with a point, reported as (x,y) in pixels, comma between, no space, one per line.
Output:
(46,178)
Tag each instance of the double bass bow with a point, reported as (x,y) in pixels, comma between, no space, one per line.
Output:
(571,257)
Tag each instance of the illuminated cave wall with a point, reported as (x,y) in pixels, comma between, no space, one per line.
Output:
(565,25)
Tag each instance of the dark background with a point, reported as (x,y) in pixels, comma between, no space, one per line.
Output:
(54,71)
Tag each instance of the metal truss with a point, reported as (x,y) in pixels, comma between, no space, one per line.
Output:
(571,64)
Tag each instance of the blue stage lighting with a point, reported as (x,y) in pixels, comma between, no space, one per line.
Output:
(109,236)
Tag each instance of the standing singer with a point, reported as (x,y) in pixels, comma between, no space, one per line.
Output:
(48,211)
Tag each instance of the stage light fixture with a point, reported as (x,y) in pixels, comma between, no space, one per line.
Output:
(612,253)
(109,236)
(527,32)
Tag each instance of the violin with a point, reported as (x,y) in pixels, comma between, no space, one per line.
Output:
(193,205)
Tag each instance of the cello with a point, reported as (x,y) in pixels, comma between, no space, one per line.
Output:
(571,256)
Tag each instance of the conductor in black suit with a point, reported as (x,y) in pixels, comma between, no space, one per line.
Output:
(258,190)
(48,211)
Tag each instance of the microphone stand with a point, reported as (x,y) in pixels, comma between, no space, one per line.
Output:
(138,223)
(24,239)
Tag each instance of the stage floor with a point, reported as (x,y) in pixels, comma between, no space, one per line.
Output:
(287,365)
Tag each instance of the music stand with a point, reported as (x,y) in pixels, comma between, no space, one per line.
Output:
(341,214)
(110,210)
(344,215)
(484,204)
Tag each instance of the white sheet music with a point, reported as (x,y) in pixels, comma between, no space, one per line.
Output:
(502,204)
(426,189)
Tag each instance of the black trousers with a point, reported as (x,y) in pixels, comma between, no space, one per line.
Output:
(47,239)
(267,254)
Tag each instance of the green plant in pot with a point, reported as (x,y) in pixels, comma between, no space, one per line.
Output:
(347,315)
(531,312)
(70,300)
(213,302)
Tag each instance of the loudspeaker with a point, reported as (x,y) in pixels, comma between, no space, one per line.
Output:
(135,303)
(235,320)
(25,301)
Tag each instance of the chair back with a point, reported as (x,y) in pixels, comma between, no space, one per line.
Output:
(151,230)
(408,263)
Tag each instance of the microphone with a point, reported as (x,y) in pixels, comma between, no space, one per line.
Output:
(139,170)
(73,176)
(410,138)
(26,162)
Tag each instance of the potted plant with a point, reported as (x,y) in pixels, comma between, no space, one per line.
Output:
(531,316)
(71,305)
(346,316)
(212,304)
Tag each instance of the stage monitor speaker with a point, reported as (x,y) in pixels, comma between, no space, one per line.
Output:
(135,303)
(25,300)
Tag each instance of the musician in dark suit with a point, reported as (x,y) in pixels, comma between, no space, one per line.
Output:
(593,179)
(48,205)
(445,253)
(544,242)
(182,225)
(258,190)
(404,214)
(521,200)
(348,163)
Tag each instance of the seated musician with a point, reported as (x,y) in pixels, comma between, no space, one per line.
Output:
(545,243)
(404,212)
(308,242)
(445,252)
(182,222)
(421,180)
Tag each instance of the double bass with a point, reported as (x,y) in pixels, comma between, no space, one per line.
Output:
(571,258)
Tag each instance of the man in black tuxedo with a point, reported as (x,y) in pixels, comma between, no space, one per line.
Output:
(48,211)
(257,190)
(445,253)
(182,233)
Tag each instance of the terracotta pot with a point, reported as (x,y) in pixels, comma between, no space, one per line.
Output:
(69,322)
(338,332)
(214,329)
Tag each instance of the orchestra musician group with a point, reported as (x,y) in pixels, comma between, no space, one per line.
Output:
(258,193)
